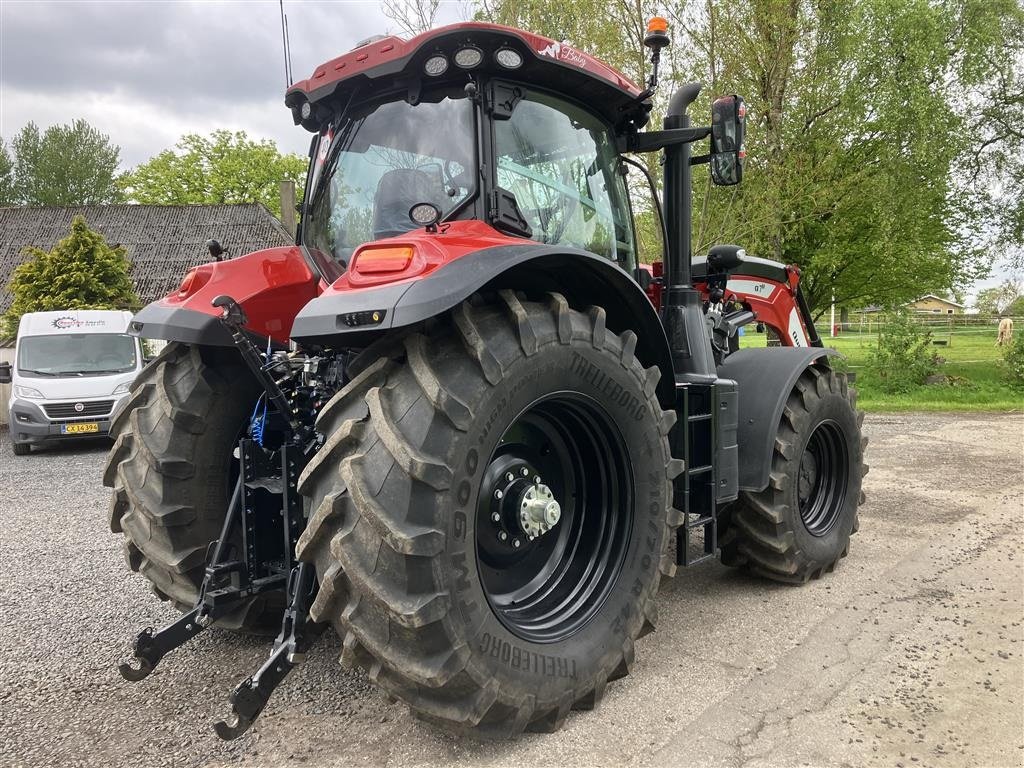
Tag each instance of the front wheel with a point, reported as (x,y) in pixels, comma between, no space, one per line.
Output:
(490,512)
(799,527)
(21,449)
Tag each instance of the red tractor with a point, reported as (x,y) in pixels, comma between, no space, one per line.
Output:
(457,420)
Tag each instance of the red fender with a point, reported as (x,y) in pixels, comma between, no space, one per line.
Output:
(271,286)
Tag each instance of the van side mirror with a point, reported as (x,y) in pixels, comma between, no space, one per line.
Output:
(5,373)
(728,136)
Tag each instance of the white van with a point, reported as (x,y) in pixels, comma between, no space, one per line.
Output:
(71,371)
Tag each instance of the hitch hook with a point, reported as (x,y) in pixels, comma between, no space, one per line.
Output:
(142,654)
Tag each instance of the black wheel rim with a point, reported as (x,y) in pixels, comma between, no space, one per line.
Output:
(823,478)
(547,588)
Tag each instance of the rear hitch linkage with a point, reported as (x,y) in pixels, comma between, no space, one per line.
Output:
(229,581)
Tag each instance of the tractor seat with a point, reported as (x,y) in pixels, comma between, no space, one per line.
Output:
(397,192)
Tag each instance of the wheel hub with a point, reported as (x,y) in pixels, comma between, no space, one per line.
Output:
(522,507)
(538,510)
(822,478)
(553,517)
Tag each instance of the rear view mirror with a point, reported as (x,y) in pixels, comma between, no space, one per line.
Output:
(5,373)
(728,130)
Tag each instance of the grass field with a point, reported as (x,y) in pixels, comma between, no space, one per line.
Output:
(971,356)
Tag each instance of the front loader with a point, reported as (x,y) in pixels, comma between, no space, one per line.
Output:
(457,421)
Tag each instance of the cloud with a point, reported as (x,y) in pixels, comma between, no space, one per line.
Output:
(145,73)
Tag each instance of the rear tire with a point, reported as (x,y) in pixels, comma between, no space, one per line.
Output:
(172,471)
(402,508)
(21,449)
(799,527)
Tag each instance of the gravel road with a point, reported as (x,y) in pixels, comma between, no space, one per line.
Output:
(909,655)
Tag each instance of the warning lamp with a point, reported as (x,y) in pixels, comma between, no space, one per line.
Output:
(657,33)
(655,39)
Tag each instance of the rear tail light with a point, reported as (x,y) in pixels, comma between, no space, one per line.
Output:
(382,260)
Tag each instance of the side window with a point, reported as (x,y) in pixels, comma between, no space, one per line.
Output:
(560,163)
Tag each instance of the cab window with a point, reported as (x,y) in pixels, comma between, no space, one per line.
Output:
(560,163)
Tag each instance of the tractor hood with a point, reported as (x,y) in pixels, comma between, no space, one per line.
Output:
(454,52)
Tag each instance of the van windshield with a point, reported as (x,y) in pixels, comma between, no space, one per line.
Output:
(76,354)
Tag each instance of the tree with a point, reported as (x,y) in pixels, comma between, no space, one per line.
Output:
(863,116)
(81,272)
(6,177)
(1015,308)
(998,299)
(225,167)
(66,165)
(411,16)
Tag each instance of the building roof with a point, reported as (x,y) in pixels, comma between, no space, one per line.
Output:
(162,242)
(937,298)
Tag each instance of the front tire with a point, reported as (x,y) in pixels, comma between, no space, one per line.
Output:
(444,612)
(799,527)
(21,449)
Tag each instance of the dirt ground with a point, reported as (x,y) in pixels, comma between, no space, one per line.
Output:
(910,654)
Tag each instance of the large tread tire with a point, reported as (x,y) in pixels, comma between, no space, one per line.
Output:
(395,553)
(764,533)
(21,449)
(170,469)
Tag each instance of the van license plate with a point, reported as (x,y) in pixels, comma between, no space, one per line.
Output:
(79,429)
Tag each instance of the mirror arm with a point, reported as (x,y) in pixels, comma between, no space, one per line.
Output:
(652,141)
(700,159)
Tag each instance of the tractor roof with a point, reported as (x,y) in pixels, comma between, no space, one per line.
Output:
(385,62)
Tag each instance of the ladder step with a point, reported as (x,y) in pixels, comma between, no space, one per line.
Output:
(699,470)
(699,417)
(700,522)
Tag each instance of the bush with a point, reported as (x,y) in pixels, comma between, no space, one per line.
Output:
(81,272)
(839,363)
(1013,362)
(903,358)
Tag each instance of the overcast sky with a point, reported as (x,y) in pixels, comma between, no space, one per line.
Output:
(145,73)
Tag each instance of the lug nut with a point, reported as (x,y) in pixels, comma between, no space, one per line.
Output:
(496,517)
(510,477)
(516,543)
(503,536)
(525,471)
(536,480)
(498,494)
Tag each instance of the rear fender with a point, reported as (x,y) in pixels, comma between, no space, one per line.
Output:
(583,278)
(270,285)
(765,377)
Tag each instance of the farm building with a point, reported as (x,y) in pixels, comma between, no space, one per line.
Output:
(930,304)
(162,242)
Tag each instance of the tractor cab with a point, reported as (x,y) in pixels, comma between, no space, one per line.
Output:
(470,122)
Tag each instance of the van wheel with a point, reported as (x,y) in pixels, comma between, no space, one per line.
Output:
(21,449)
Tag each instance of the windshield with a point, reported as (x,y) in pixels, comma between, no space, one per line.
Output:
(385,159)
(560,163)
(76,354)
